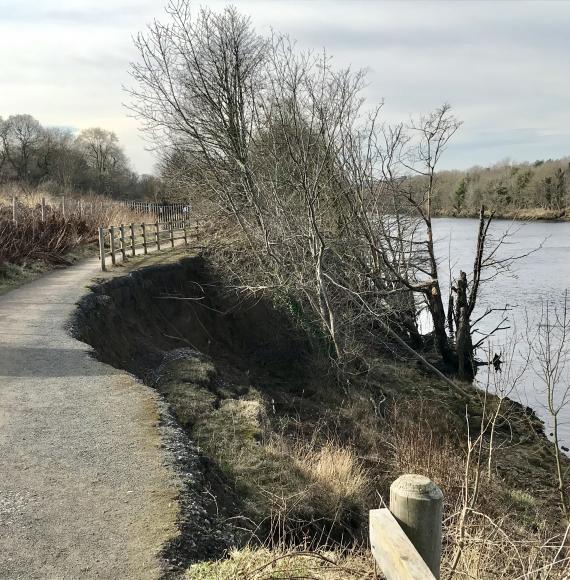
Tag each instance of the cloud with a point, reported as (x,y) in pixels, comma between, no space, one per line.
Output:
(503,66)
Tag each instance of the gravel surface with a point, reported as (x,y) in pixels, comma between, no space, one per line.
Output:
(84,487)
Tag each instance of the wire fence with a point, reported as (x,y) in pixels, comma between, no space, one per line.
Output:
(83,207)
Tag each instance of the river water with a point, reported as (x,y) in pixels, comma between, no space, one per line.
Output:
(541,276)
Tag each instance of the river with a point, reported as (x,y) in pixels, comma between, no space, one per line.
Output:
(541,276)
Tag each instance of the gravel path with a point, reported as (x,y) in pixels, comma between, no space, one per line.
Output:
(84,491)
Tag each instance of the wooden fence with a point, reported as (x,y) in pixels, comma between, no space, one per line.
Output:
(126,239)
(406,538)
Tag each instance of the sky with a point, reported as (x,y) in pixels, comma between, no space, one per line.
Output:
(504,66)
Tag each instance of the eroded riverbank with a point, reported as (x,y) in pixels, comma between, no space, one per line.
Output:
(275,442)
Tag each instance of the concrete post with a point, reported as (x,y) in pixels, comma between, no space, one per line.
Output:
(416,503)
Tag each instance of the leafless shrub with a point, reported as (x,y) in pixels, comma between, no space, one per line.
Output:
(51,238)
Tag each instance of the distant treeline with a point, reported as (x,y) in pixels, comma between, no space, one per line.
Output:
(59,160)
(541,187)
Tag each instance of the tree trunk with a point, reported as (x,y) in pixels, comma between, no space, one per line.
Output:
(463,341)
(437,311)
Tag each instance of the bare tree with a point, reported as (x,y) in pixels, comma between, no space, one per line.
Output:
(196,84)
(102,153)
(325,195)
(21,137)
(549,341)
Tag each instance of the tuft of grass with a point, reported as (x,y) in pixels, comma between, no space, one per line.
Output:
(335,468)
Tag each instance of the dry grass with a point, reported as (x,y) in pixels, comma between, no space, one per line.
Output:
(32,240)
(501,533)
(309,486)
(262,563)
(334,468)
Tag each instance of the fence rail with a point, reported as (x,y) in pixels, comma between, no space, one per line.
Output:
(124,240)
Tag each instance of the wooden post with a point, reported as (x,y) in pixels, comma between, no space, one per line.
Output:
(123,245)
(112,243)
(185,233)
(43,209)
(143,228)
(63,206)
(133,249)
(102,248)
(416,503)
(14,210)
(157,224)
(171,225)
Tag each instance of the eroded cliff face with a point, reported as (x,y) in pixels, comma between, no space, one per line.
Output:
(133,320)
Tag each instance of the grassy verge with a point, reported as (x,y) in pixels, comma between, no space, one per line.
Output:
(15,275)
(263,563)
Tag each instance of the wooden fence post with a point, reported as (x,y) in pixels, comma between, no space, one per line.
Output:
(102,248)
(133,249)
(122,238)
(14,210)
(157,224)
(63,206)
(185,232)
(43,209)
(171,225)
(143,228)
(112,244)
(416,503)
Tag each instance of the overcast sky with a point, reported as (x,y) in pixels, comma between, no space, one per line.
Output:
(503,66)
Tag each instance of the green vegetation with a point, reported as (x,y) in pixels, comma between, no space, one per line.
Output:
(538,190)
